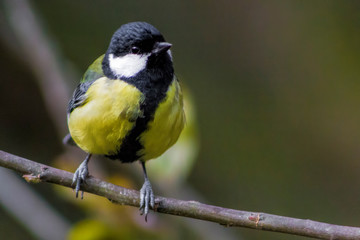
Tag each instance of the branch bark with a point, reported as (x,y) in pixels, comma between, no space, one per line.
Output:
(35,172)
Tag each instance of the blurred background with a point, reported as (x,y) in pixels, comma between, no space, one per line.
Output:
(272,100)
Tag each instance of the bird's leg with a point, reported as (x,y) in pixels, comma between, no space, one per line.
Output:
(146,195)
(80,175)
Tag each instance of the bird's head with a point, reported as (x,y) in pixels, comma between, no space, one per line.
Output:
(136,47)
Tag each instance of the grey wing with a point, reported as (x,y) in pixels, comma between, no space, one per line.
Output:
(79,96)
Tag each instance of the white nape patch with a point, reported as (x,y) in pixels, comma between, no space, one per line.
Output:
(128,65)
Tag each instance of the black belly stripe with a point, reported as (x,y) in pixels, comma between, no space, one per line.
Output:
(154,86)
(131,145)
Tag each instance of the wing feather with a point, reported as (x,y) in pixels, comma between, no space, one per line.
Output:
(93,73)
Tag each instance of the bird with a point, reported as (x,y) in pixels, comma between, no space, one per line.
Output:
(128,105)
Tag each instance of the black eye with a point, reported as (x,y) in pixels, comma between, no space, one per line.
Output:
(135,50)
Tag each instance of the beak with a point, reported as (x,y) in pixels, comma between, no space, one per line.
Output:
(161,47)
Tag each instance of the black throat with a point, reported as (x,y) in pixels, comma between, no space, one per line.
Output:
(153,82)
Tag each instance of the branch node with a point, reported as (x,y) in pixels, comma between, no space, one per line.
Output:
(31,178)
(255,218)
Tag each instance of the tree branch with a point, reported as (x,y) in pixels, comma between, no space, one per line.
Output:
(35,172)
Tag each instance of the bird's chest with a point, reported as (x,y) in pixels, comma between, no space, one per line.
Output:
(164,128)
(109,113)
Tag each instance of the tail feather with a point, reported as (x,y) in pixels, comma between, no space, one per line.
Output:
(68,140)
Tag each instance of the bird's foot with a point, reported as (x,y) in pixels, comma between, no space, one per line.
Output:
(146,198)
(80,178)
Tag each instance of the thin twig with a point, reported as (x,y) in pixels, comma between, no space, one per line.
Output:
(36,172)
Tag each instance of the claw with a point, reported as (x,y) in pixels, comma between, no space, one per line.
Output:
(80,176)
(76,174)
(152,201)
(146,195)
(146,199)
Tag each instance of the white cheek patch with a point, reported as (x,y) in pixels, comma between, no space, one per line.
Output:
(128,65)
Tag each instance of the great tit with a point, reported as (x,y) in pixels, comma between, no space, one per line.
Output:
(128,105)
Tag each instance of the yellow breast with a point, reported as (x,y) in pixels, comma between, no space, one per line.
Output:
(109,113)
(165,128)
